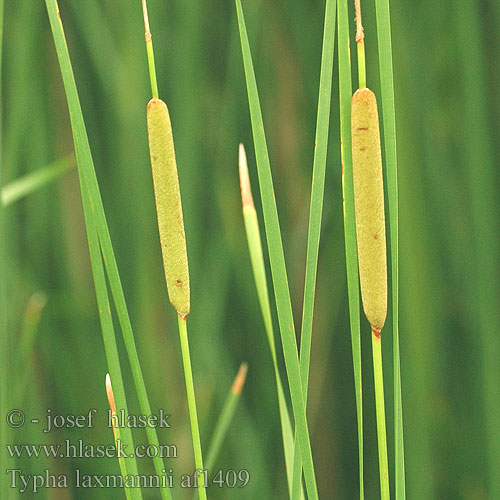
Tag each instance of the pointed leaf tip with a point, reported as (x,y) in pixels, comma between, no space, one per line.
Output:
(109,393)
(240,378)
(246,189)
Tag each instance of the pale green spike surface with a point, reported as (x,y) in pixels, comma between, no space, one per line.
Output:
(168,205)
(369,206)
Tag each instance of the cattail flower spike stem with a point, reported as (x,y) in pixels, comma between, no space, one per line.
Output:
(370,232)
(172,236)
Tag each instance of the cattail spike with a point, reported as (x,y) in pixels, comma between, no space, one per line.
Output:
(369,206)
(168,205)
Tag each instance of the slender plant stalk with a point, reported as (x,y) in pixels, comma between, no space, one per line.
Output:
(32,182)
(277,259)
(259,273)
(370,230)
(225,418)
(315,216)
(360,44)
(391,166)
(351,254)
(150,51)
(193,415)
(379,398)
(95,218)
(171,228)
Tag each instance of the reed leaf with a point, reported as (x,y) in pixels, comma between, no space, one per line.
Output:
(225,418)
(96,223)
(32,182)
(108,331)
(259,272)
(315,214)
(391,166)
(351,254)
(277,259)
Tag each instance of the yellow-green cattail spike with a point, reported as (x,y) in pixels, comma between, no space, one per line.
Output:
(369,206)
(168,205)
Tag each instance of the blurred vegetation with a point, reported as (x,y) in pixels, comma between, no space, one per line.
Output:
(447,77)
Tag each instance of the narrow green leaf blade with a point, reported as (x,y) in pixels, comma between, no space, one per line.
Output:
(391,163)
(315,214)
(225,418)
(32,182)
(259,272)
(277,259)
(345,91)
(88,181)
(84,160)
(109,337)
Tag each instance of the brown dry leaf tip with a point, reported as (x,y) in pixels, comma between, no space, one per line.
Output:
(240,378)
(147,33)
(246,189)
(109,393)
(360,34)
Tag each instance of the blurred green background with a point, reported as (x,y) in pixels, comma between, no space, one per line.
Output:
(447,81)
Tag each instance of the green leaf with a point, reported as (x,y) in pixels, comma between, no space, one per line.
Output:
(32,182)
(351,253)
(315,214)
(277,260)
(225,418)
(84,161)
(110,345)
(391,165)
(259,272)
(96,223)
